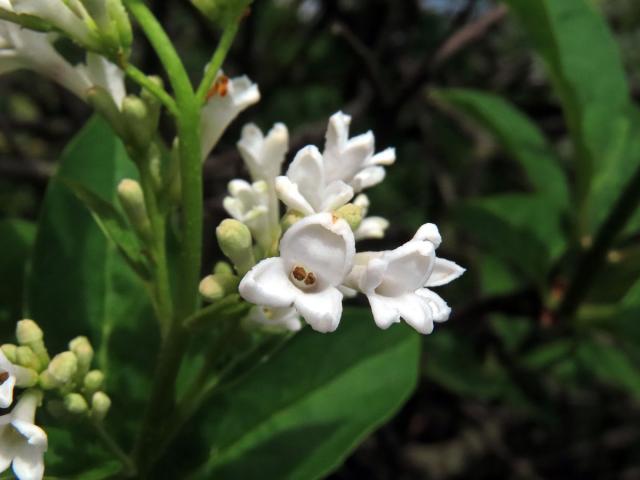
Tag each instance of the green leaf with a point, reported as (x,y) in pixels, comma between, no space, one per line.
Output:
(610,364)
(16,241)
(519,136)
(520,229)
(299,415)
(112,224)
(79,284)
(585,67)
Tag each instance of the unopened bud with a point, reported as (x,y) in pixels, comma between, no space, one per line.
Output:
(289,219)
(351,213)
(136,116)
(93,380)
(28,379)
(48,381)
(118,15)
(83,351)
(9,350)
(214,287)
(153,104)
(28,331)
(132,200)
(235,242)
(26,358)
(75,404)
(100,405)
(223,268)
(63,367)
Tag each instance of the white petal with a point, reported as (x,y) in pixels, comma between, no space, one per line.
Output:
(368,177)
(107,75)
(290,195)
(28,463)
(408,268)
(34,435)
(322,244)
(371,227)
(351,159)
(336,195)
(307,172)
(439,309)
(384,310)
(268,284)
(444,271)
(385,157)
(321,310)
(274,149)
(362,201)
(6,391)
(337,133)
(347,292)
(58,14)
(25,409)
(389,310)
(429,232)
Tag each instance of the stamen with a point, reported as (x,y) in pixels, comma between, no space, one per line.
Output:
(220,87)
(299,273)
(4,376)
(310,279)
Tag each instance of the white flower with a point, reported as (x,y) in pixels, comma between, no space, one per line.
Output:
(70,16)
(249,204)
(21,48)
(370,227)
(22,443)
(264,155)
(227,99)
(316,254)
(352,160)
(10,376)
(286,318)
(394,281)
(305,188)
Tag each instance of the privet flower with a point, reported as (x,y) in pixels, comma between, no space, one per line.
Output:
(264,155)
(10,376)
(22,442)
(227,98)
(316,254)
(285,318)
(249,204)
(394,281)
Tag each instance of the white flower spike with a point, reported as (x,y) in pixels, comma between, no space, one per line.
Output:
(22,443)
(394,282)
(10,376)
(283,318)
(316,254)
(228,97)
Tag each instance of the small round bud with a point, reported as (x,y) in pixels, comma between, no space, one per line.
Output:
(28,379)
(48,381)
(28,331)
(93,380)
(75,403)
(26,358)
(223,268)
(132,200)
(136,117)
(83,351)
(289,219)
(9,350)
(100,405)
(235,242)
(214,287)
(351,213)
(63,367)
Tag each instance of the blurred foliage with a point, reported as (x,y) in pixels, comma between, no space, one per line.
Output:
(516,137)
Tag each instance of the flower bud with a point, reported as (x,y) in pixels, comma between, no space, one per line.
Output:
(223,268)
(28,331)
(100,405)
(82,349)
(63,367)
(235,242)
(214,287)
(132,200)
(119,18)
(26,358)
(351,213)
(48,381)
(289,219)
(28,379)
(9,350)
(136,117)
(154,106)
(75,404)
(93,380)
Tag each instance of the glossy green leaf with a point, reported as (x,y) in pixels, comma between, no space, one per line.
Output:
(16,241)
(299,415)
(79,284)
(519,136)
(584,64)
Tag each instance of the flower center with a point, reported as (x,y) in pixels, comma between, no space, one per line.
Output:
(302,278)
(220,87)
(4,376)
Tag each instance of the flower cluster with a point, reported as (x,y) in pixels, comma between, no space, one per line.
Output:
(309,269)
(75,388)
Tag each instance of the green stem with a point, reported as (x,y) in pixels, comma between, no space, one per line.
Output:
(129,468)
(141,79)
(591,261)
(219,55)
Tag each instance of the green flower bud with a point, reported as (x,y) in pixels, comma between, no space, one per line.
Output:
(63,367)
(289,219)
(9,350)
(100,405)
(132,200)
(28,380)
(223,268)
(75,404)
(351,213)
(26,358)
(136,116)
(154,106)
(83,351)
(48,381)
(235,241)
(119,18)
(28,331)
(214,287)
(93,380)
